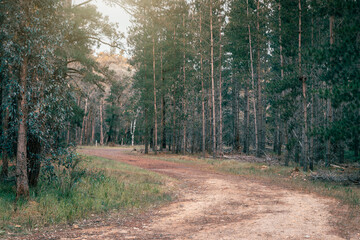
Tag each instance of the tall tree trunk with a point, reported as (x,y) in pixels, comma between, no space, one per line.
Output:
(247,117)
(328,101)
(312,122)
(87,128)
(83,127)
(93,129)
(212,80)
(155,110)
(185,92)
(202,93)
(68,133)
(101,123)
(259,149)
(173,137)
(220,94)
(22,186)
(146,130)
(174,124)
(235,107)
(252,80)
(287,153)
(133,127)
(163,132)
(282,79)
(5,160)
(303,79)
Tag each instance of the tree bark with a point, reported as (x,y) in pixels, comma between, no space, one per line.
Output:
(303,79)
(247,118)
(163,111)
(101,123)
(235,107)
(146,131)
(252,80)
(312,122)
(282,78)
(212,80)
(5,160)
(259,149)
(83,127)
(202,93)
(174,124)
(185,92)
(22,186)
(93,129)
(328,101)
(220,94)
(155,109)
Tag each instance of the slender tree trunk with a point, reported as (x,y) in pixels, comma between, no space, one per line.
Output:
(303,79)
(247,117)
(174,123)
(163,132)
(220,94)
(185,92)
(83,127)
(5,161)
(155,110)
(22,186)
(235,104)
(173,137)
(328,101)
(101,123)
(312,122)
(212,80)
(252,79)
(87,128)
(280,141)
(202,93)
(146,131)
(282,79)
(93,130)
(259,97)
(287,154)
(68,134)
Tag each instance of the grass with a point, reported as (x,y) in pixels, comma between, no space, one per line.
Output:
(286,177)
(95,186)
(275,174)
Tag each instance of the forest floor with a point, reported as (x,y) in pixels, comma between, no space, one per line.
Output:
(213,205)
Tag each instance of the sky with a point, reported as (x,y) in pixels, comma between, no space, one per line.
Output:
(116,15)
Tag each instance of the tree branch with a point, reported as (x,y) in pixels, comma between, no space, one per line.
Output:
(86,2)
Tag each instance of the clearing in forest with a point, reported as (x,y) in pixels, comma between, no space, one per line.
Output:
(217,206)
(211,205)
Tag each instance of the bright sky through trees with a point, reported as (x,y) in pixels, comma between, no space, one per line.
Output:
(116,15)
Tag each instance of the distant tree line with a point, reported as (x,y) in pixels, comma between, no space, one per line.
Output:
(267,76)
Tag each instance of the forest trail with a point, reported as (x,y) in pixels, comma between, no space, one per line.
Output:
(216,206)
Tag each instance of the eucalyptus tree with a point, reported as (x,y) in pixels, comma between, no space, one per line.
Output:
(41,39)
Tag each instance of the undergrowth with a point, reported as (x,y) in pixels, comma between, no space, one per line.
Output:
(94,186)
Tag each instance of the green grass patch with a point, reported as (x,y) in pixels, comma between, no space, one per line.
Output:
(275,174)
(287,177)
(95,186)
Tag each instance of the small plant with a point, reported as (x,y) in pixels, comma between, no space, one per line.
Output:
(72,187)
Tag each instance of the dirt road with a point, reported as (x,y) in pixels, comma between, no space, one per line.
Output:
(216,206)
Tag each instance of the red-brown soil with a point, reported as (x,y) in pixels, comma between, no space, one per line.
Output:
(213,206)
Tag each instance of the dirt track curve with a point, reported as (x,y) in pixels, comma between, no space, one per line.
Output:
(216,206)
